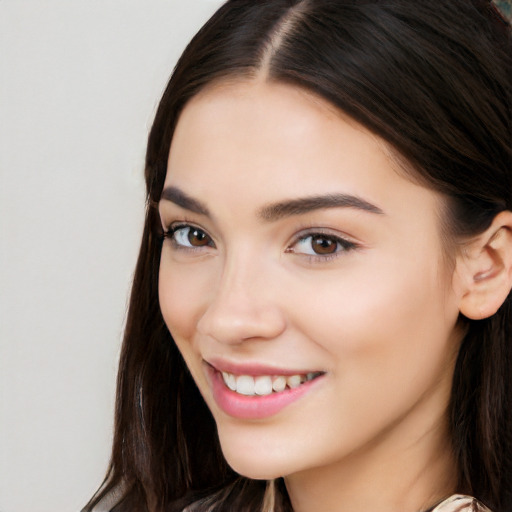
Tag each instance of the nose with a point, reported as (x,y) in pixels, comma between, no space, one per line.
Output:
(243,306)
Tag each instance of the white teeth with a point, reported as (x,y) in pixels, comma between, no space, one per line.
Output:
(230,380)
(279,384)
(293,381)
(263,385)
(245,385)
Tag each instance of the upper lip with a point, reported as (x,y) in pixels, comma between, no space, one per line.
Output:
(254,368)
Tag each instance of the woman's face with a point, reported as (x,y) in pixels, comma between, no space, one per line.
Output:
(301,264)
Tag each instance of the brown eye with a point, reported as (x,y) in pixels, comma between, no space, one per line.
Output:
(197,238)
(321,244)
(190,237)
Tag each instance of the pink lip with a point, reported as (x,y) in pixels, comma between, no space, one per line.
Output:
(254,407)
(253,368)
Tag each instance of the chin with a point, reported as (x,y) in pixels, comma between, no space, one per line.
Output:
(254,470)
(259,462)
(255,461)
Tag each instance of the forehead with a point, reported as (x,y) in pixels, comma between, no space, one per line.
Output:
(249,143)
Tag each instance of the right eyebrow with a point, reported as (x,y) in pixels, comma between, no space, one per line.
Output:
(178,197)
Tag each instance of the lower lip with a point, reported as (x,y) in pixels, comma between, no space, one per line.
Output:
(254,407)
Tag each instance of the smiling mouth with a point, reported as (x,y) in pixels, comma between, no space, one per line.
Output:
(264,385)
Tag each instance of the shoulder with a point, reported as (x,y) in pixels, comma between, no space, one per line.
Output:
(460,503)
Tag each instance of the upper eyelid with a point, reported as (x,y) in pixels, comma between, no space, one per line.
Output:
(176,226)
(184,223)
(345,242)
(328,232)
(299,233)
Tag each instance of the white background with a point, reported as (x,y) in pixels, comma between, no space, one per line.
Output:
(79,84)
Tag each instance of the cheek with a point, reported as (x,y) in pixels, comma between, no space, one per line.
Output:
(392,319)
(181,293)
(389,345)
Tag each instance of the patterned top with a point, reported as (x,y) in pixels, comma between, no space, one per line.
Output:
(456,503)
(505,7)
(459,503)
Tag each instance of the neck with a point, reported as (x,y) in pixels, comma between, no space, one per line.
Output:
(398,473)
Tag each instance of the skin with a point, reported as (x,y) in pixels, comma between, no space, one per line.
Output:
(378,316)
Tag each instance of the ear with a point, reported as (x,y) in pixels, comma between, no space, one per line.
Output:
(484,268)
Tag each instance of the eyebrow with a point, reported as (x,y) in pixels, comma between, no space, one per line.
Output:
(178,197)
(300,206)
(281,209)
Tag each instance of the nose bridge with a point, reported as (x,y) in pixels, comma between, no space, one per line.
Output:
(242,305)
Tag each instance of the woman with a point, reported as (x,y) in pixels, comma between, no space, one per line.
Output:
(321,311)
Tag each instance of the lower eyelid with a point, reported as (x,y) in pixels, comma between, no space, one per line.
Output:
(322,259)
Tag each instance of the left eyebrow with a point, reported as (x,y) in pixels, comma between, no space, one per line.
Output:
(300,206)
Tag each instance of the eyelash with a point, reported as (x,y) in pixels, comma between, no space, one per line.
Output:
(171,231)
(342,244)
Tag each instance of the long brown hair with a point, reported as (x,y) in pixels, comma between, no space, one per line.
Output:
(433,79)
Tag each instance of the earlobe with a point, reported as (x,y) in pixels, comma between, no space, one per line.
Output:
(485,269)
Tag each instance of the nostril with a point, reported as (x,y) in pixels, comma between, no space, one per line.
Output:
(236,323)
